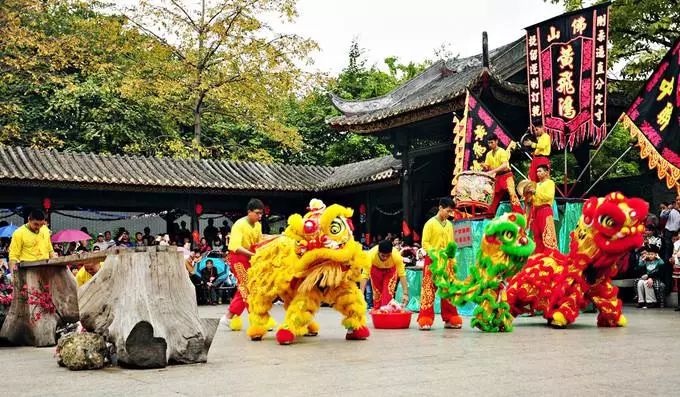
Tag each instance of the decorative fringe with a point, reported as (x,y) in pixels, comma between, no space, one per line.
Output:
(664,169)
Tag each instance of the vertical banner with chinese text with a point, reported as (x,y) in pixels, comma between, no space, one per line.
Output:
(654,119)
(470,133)
(567,75)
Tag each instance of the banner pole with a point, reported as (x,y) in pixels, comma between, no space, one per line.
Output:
(565,169)
(583,171)
(607,171)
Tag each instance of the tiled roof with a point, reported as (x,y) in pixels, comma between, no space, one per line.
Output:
(53,167)
(441,82)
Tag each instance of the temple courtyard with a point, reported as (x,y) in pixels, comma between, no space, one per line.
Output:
(641,359)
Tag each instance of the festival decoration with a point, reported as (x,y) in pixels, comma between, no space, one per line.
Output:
(198,209)
(567,75)
(47,203)
(561,285)
(504,250)
(654,119)
(316,260)
(470,133)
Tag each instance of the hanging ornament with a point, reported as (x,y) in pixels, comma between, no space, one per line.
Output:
(196,235)
(198,209)
(47,203)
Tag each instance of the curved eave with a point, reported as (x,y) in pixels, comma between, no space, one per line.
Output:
(421,110)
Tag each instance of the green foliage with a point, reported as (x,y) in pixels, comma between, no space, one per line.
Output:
(355,148)
(321,144)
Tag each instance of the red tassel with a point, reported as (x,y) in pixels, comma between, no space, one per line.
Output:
(405,229)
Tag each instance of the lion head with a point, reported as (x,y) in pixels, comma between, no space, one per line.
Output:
(506,242)
(610,226)
(324,243)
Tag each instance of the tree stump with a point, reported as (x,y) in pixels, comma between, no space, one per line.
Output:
(145,304)
(29,324)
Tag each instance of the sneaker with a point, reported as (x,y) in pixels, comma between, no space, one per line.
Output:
(425,327)
(640,305)
(234,324)
(644,307)
(677,309)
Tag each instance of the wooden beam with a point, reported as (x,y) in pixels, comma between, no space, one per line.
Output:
(429,150)
(78,258)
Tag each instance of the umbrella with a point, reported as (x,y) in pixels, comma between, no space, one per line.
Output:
(222,269)
(70,235)
(7,231)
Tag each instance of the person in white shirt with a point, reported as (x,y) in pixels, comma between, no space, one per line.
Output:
(103,245)
(672,227)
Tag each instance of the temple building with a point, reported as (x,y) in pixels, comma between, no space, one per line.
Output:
(416,119)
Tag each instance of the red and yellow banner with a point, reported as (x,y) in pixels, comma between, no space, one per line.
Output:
(470,134)
(567,75)
(654,119)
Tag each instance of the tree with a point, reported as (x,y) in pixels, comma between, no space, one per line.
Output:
(233,64)
(322,144)
(641,31)
(61,85)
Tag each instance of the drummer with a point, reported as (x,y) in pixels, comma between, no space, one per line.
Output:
(541,152)
(497,164)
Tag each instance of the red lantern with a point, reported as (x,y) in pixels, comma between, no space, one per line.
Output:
(362,209)
(405,229)
(198,209)
(196,235)
(47,203)
(267,210)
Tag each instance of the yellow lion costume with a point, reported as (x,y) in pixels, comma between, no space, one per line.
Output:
(315,260)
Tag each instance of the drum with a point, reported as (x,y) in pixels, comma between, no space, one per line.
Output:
(473,191)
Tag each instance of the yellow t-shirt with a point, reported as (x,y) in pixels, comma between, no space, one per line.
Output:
(542,145)
(27,246)
(394,260)
(83,276)
(494,160)
(244,235)
(545,193)
(435,235)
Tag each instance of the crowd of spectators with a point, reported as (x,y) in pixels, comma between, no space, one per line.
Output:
(656,264)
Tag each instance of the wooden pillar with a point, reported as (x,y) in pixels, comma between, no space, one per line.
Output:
(194,219)
(582,154)
(403,143)
(369,214)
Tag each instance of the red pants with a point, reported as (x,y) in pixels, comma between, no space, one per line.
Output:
(239,265)
(505,183)
(542,227)
(383,282)
(535,162)
(427,292)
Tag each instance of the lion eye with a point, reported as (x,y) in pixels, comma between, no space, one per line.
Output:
(607,221)
(337,226)
(508,235)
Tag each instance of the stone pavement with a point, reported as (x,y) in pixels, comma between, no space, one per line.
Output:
(642,359)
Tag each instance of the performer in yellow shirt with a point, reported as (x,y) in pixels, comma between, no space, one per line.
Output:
(541,221)
(246,233)
(386,265)
(88,270)
(31,242)
(437,234)
(497,164)
(541,152)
